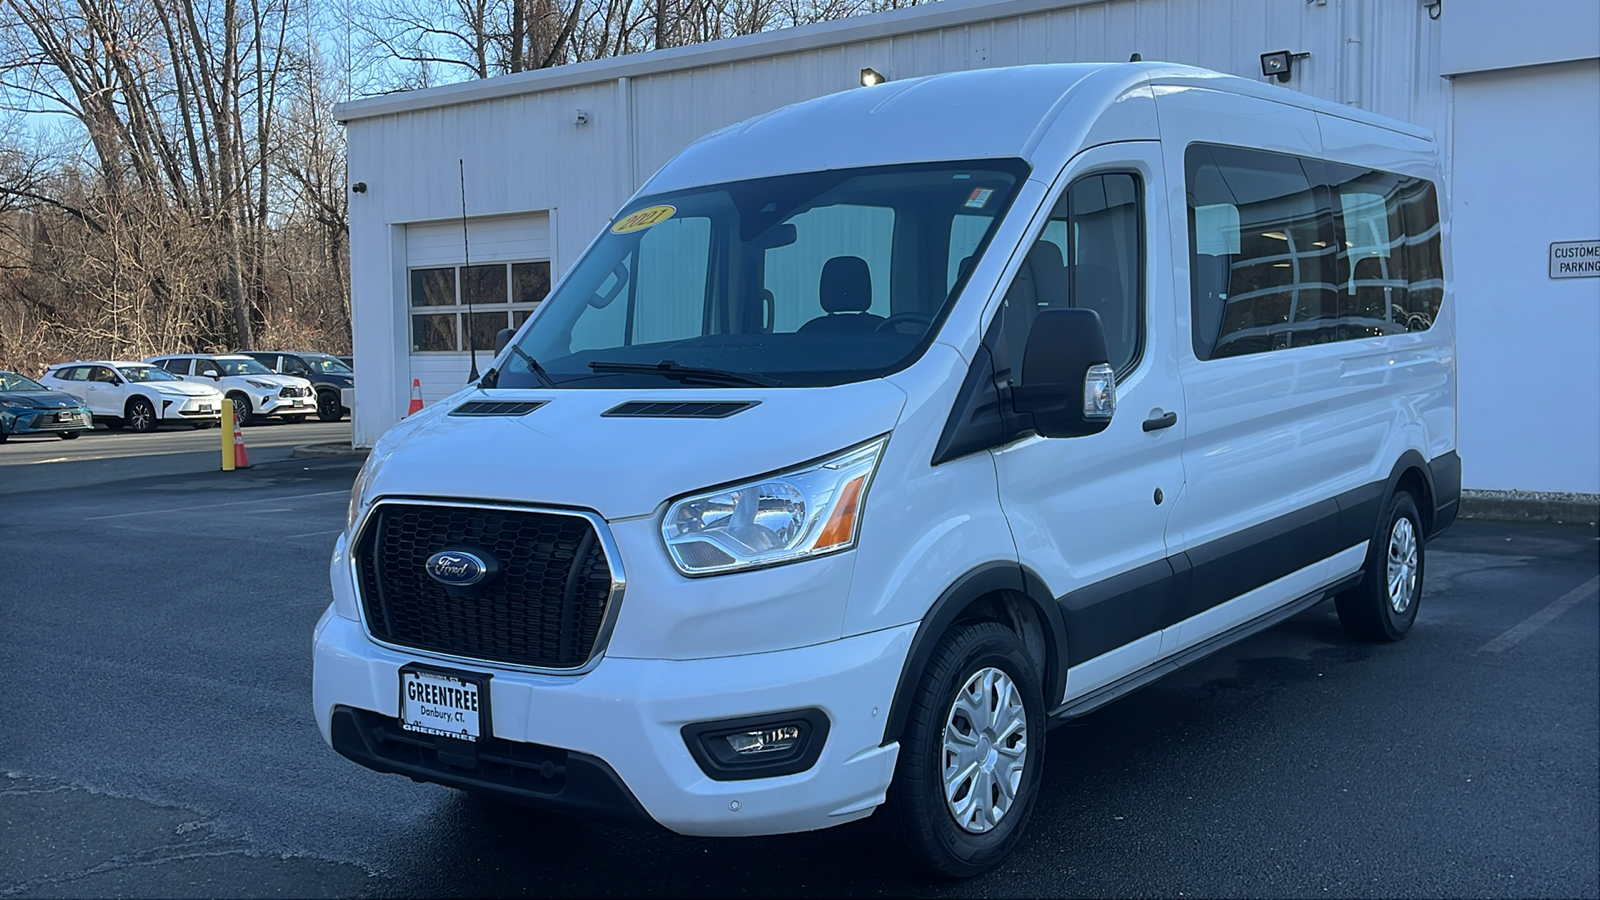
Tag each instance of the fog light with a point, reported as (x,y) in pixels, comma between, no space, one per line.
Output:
(767,740)
(765,746)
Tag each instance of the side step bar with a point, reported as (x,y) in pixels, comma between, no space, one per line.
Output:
(1163,667)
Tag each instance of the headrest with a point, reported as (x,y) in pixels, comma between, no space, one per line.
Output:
(846,285)
(1049,275)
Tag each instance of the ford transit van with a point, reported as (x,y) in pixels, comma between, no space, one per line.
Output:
(879,434)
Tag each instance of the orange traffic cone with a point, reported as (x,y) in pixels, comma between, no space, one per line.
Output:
(416,396)
(241,459)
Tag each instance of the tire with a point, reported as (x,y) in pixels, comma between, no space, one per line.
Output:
(294,420)
(65,435)
(242,410)
(202,426)
(963,667)
(328,407)
(1383,607)
(141,416)
(2,435)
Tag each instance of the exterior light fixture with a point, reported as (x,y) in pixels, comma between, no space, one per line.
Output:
(1280,64)
(870,77)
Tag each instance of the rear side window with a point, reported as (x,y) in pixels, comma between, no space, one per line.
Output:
(1287,252)
(175,366)
(72,373)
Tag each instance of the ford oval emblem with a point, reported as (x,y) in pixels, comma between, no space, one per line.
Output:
(457,568)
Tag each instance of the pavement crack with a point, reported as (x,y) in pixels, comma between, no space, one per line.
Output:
(154,856)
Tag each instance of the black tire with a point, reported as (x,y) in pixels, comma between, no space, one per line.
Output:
(2,435)
(242,410)
(202,425)
(328,406)
(294,420)
(65,435)
(917,812)
(142,416)
(1373,610)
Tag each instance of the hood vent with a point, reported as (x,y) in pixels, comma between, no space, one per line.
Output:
(687,409)
(496,408)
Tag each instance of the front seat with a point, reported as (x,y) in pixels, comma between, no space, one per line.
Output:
(846,295)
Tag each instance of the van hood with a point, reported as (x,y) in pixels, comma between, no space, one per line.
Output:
(567,453)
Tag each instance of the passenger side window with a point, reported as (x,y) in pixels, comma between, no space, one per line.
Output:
(1288,252)
(101,374)
(206,367)
(1261,252)
(1089,256)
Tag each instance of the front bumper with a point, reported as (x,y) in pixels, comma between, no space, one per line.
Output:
(47,421)
(276,405)
(627,716)
(190,409)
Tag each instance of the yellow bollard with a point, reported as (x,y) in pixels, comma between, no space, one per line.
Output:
(227,435)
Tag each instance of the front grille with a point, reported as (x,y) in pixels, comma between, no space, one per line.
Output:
(292,392)
(545,608)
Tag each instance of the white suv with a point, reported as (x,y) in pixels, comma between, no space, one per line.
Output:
(253,388)
(135,395)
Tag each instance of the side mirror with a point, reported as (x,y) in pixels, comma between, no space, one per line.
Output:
(502,338)
(214,376)
(1067,383)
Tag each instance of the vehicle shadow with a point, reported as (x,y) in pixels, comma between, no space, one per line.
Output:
(1103,762)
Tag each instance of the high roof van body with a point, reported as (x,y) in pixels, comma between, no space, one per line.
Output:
(880,433)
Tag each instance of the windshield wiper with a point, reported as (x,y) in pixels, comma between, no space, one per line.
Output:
(492,377)
(672,369)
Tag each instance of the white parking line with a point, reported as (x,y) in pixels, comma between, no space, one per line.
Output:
(151,512)
(1543,617)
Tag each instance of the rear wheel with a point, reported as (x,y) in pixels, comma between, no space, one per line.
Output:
(141,415)
(971,755)
(328,407)
(1383,607)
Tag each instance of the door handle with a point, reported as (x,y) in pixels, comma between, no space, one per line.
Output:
(1165,420)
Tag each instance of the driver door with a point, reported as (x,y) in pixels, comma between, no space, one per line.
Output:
(1089,514)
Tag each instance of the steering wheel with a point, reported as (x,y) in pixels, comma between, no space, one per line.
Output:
(893,322)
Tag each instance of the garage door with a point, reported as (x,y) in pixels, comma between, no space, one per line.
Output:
(508,277)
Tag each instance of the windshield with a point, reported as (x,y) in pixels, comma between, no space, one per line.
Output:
(243,365)
(326,365)
(146,373)
(11,381)
(800,280)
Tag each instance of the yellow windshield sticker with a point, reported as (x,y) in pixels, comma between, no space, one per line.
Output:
(644,218)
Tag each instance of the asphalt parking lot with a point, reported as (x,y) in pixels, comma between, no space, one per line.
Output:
(155,621)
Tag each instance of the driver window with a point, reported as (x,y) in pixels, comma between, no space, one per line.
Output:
(206,367)
(100,373)
(1088,257)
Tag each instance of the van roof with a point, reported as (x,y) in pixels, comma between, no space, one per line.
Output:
(973,114)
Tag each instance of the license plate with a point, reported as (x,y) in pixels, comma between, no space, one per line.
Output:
(205,407)
(447,704)
(66,417)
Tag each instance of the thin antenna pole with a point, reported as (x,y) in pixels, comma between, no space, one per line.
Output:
(472,343)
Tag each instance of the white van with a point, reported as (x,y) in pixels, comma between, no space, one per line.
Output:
(881,433)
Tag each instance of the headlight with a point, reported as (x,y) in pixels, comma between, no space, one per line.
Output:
(358,492)
(15,404)
(264,385)
(804,512)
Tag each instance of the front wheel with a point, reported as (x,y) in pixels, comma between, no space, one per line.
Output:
(971,755)
(328,407)
(243,412)
(141,415)
(1383,607)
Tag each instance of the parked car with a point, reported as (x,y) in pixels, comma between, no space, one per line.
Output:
(349,361)
(912,446)
(334,381)
(28,407)
(135,395)
(253,388)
